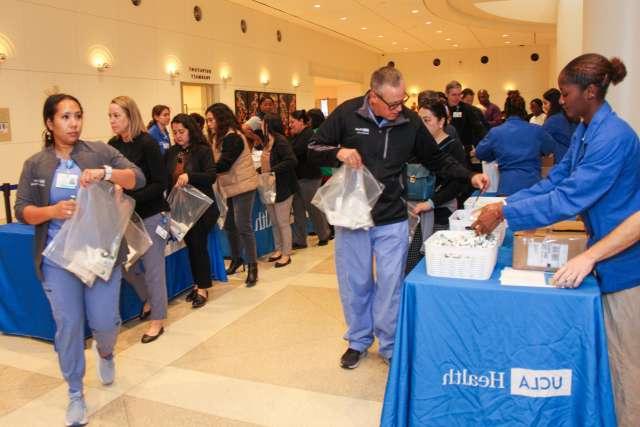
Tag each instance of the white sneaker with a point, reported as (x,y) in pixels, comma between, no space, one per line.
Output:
(106,367)
(76,411)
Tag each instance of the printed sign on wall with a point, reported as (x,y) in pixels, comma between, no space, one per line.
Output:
(5,125)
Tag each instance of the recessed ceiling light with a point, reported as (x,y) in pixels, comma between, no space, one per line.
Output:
(507,42)
(344,18)
(316,6)
(394,43)
(439,31)
(363,28)
(428,22)
(414,11)
(380,36)
(405,48)
(448,39)
(504,36)
(455,45)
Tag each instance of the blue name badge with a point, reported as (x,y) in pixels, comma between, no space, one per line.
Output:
(67,181)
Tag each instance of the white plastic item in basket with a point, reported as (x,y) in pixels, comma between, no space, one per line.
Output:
(482,201)
(445,255)
(491,170)
(463,218)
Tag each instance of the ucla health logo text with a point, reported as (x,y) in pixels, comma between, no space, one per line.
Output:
(523,382)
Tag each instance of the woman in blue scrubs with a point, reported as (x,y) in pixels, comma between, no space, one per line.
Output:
(599,179)
(517,147)
(48,185)
(557,124)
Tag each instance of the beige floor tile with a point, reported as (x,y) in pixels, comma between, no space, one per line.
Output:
(49,409)
(129,372)
(327,266)
(316,280)
(134,412)
(18,387)
(293,340)
(253,402)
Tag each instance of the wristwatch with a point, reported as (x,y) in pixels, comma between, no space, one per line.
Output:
(108,171)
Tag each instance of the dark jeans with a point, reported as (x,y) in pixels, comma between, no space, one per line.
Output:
(239,228)
(197,240)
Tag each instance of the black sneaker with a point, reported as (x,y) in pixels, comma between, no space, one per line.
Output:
(351,358)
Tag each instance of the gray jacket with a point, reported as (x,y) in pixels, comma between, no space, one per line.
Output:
(37,176)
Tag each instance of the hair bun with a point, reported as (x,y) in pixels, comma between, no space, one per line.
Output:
(618,70)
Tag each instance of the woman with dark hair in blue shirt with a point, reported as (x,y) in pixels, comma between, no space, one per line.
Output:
(599,179)
(557,124)
(516,146)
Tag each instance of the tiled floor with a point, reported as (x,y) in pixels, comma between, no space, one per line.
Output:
(261,356)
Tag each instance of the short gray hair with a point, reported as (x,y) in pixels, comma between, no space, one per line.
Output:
(386,76)
(452,85)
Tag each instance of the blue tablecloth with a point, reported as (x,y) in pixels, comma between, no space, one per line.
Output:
(24,309)
(475,353)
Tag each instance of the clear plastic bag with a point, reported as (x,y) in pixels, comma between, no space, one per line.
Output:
(221,202)
(348,197)
(187,204)
(414,219)
(138,240)
(89,242)
(267,187)
(493,172)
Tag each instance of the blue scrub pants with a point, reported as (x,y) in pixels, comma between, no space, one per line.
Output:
(371,303)
(70,299)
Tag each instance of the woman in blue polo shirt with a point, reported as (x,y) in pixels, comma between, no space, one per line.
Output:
(598,178)
(557,124)
(157,127)
(517,147)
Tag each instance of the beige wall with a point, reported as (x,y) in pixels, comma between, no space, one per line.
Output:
(508,68)
(51,41)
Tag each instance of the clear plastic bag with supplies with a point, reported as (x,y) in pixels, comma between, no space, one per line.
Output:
(187,205)
(221,202)
(414,219)
(88,244)
(348,197)
(267,187)
(138,240)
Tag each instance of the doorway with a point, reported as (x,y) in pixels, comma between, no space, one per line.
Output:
(196,97)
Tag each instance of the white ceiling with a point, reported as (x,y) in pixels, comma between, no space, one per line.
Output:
(388,26)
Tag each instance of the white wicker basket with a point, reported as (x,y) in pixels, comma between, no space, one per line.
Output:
(459,262)
(482,201)
(462,218)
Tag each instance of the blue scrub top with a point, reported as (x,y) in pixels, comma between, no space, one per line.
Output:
(162,138)
(517,147)
(560,129)
(59,192)
(598,178)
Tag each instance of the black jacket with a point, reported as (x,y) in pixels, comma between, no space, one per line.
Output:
(470,129)
(144,152)
(448,188)
(283,162)
(385,151)
(305,168)
(200,169)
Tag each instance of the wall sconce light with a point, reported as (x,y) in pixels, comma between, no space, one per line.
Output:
(414,91)
(225,74)
(295,82)
(3,57)
(172,70)
(101,65)
(264,79)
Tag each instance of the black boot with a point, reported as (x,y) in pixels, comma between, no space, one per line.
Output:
(252,276)
(236,263)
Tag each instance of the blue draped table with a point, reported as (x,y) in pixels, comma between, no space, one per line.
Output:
(261,229)
(475,353)
(24,309)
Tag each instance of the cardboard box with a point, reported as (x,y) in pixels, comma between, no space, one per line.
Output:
(548,248)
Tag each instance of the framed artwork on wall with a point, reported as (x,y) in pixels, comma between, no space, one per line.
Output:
(247,103)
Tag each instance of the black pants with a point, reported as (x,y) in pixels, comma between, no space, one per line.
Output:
(239,227)
(197,241)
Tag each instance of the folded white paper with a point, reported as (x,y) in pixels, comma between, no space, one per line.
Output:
(513,277)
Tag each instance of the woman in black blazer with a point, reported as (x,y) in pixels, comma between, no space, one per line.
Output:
(278,157)
(190,161)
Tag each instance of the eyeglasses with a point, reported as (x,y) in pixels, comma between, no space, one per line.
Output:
(393,105)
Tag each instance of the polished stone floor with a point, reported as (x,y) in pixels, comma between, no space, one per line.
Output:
(262,356)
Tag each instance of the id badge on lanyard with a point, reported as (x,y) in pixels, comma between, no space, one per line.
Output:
(68,181)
